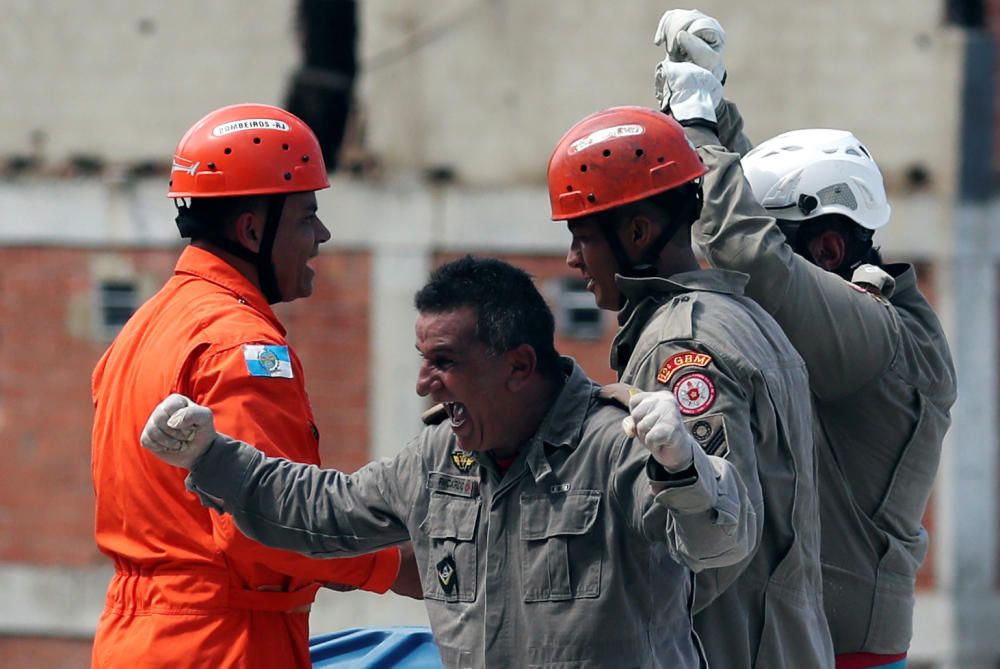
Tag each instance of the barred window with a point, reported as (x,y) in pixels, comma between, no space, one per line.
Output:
(117,301)
(577,315)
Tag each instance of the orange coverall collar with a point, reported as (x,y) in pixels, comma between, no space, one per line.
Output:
(210,267)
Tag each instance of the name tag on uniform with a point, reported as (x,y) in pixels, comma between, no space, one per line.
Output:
(463,486)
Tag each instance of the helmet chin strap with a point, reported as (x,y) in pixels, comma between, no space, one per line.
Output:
(194,228)
(265,265)
(683,212)
(646,267)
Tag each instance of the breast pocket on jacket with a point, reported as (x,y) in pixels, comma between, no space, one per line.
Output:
(450,526)
(562,547)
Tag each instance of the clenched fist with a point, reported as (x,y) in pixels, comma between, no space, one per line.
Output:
(179,431)
(655,420)
(692,37)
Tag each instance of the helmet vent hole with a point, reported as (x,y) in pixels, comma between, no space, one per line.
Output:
(583,168)
(227,151)
(591,198)
(660,159)
(639,153)
(305,159)
(607,152)
(256,140)
(288,176)
(569,188)
(211,166)
(284,147)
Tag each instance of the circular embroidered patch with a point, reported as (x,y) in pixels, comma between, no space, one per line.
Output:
(701,431)
(695,393)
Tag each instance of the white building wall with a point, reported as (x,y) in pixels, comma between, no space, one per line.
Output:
(121,81)
(487,88)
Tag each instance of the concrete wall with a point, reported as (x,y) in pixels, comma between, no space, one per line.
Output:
(487,88)
(482,88)
(120,81)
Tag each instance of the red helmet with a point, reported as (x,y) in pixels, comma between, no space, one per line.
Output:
(617,156)
(247,149)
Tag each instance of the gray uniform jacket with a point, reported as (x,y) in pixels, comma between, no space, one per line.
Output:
(882,385)
(744,390)
(563,561)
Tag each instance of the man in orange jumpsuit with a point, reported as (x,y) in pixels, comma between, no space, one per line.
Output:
(189,589)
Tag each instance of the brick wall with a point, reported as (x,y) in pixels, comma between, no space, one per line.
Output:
(330,332)
(46,507)
(46,334)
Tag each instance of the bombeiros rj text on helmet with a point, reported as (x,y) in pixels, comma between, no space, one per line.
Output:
(247,149)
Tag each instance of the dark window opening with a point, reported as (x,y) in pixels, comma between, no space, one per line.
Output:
(577,315)
(322,87)
(118,301)
(967,13)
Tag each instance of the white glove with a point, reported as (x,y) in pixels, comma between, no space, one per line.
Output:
(693,37)
(655,420)
(687,92)
(178,431)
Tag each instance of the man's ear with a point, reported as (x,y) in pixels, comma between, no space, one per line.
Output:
(637,234)
(522,363)
(828,249)
(249,230)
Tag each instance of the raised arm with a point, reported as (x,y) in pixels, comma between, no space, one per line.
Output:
(846,335)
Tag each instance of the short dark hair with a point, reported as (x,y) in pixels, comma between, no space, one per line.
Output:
(681,204)
(219,213)
(509,309)
(675,209)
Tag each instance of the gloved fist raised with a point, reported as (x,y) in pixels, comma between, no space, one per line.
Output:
(692,37)
(179,431)
(655,420)
(687,92)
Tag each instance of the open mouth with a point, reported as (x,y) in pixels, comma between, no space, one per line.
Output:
(456,412)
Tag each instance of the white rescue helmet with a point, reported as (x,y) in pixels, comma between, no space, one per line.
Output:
(803,174)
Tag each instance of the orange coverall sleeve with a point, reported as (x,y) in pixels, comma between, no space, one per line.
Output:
(273,414)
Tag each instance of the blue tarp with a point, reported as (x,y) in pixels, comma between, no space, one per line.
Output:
(375,648)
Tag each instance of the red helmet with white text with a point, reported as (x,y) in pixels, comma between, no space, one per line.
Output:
(617,156)
(247,149)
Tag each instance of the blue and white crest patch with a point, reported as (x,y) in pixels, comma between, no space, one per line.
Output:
(268,360)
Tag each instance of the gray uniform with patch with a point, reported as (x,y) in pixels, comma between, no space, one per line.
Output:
(745,391)
(564,561)
(882,385)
